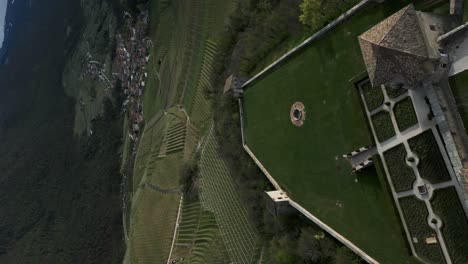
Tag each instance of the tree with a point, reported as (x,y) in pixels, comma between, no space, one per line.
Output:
(316,13)
(311,14)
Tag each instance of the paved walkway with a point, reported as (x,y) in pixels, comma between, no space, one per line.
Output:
(422,109)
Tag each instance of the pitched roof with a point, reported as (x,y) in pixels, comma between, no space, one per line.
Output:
(396,48)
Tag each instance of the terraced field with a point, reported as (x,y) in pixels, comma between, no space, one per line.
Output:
(219,195)
(199,237)
(183,53)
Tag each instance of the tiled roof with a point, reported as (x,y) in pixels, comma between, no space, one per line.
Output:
(396,48)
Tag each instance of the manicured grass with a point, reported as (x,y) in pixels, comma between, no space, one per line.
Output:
(306,161)
(372,95)
(447,206)
(459,85)
(395,92)
(415,214)
(404,114)
(220,195)
(431,163)
(383,125)
(401,174)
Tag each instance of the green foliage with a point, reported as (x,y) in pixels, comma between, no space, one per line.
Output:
(259,29)
(394,92)
(402,175)
(372,95)
(60,193)
(404,114)
(317,13)
(447,206)
(415,214)
(431,163)
(383,125)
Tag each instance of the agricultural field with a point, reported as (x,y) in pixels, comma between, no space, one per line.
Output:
(405,114)
(415,214)
(199,237)
(401,174)
(383,125)
(373,96)
(459,84)
(184,48)
(219,195)
(356,206)
(152,226)
(156,193)
(447,206)
(431,164)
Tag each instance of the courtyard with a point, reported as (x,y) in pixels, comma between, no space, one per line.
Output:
(307,161)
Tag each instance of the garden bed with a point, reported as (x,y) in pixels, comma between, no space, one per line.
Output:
(431,163)
(395,92)
(415,214)
(383,125)
(401,174)
(405,114)
(373,96)
(447,206)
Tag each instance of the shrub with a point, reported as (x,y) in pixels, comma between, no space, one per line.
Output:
(431,163)
(383,125)
(447,206)
(373,96)
(402,176)
(415,214)
(404,114)
(394,92)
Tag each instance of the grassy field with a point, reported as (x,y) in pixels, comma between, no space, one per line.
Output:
(152,227)
(219,195)
(459,85)
(447,206)
(306,160)
(402,175)
(431,163)
(415,214)
(404,114)
(383,125)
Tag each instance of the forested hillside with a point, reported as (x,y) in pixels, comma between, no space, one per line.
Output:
(59,193)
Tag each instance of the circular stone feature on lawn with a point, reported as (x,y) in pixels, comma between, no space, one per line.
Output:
(297,114)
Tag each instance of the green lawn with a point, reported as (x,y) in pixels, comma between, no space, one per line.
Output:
(415,213)
(447,206)
(307,160)
(459,85)
(404,114)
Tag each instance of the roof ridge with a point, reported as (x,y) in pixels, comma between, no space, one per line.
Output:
(402,51)
(405,10)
